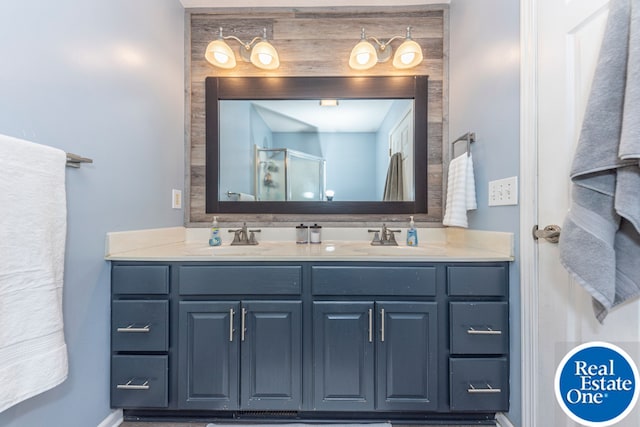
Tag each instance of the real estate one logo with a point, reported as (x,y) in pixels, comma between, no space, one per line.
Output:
(596,384)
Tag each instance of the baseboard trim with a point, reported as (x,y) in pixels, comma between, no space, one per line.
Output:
(503,421)
(114,419)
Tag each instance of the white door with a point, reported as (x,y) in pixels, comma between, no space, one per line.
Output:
(565,37)
(401,141)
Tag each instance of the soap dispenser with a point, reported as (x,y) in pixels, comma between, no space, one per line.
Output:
(214,238)
(412,233)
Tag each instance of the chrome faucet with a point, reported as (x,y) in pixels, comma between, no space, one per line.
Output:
(384,237)
(244,237)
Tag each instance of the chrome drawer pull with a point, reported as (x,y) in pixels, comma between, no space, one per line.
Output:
(489,389)
(382,326)
(370,325)
(129,386)
(487,331)
(131,328)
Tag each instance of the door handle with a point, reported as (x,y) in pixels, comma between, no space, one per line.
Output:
(382,325)
(231,313)
(370,325)
(551,233)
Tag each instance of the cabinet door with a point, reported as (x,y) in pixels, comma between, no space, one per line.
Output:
(406,348)
(208,355)
(343,355)
(271,355)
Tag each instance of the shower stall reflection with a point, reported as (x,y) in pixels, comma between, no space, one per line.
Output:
(283,174)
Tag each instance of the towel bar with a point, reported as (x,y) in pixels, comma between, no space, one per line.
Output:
(73,160)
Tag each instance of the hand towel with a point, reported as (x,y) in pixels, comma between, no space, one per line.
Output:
(33,353)
(461,191)
(245,197)
(600,240)
(394,185)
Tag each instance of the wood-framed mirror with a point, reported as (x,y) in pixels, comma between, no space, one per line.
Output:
(262,157)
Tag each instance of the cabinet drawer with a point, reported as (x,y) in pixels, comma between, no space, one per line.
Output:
(477,280)
(479,327)
(240,280)
(404,281)
(140,279)
(479,384)
(139,325)
(139,381)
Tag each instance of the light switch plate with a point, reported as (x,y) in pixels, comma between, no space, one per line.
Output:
(503,192)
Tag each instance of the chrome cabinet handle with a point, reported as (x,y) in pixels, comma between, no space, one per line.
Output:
(129,386)
(131,328)
(489,389)
(487,331)
(382,325)
(231,313)
(370,325)
(242,328)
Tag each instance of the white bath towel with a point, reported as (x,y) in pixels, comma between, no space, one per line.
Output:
(461,192)
(33,353)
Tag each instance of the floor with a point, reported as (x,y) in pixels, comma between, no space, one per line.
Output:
(148,424)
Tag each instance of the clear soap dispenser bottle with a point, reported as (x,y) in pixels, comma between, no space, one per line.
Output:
(214,238)
(412,233)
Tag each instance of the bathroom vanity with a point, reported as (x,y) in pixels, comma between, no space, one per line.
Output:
(333,331)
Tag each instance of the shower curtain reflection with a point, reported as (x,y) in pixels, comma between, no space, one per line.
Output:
(284,174)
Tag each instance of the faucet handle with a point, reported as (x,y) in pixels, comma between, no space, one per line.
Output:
(252,237)
(236,236)
(376,237)
(392,237)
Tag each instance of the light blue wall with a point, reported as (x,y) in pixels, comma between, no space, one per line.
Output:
(484,97)
(236,169)
(103,79)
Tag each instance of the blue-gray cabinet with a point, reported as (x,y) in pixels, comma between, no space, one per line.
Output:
(240,354)
(311,340)
(375,355)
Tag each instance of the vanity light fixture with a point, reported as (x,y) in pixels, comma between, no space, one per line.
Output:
(258,51)
(329,103)
(366,54)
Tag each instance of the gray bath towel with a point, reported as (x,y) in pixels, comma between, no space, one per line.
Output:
(394,185)
(600,240)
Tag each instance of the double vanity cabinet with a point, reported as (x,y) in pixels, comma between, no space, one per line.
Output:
(310,339)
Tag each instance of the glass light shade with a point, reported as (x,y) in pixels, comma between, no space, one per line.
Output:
(408,54)
(219,53)
(265,56)
(363,56)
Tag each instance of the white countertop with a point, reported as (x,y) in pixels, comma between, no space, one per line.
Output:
(278,244)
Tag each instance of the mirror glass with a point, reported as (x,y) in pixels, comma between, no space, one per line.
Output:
(271,147)
(303,150)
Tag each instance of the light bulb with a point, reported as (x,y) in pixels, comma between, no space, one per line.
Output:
(221,57)
(407,57)
(363,58)
(264,58)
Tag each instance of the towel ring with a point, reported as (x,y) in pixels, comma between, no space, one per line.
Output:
(469,137)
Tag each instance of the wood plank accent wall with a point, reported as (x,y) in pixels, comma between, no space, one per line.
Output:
(316,42)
